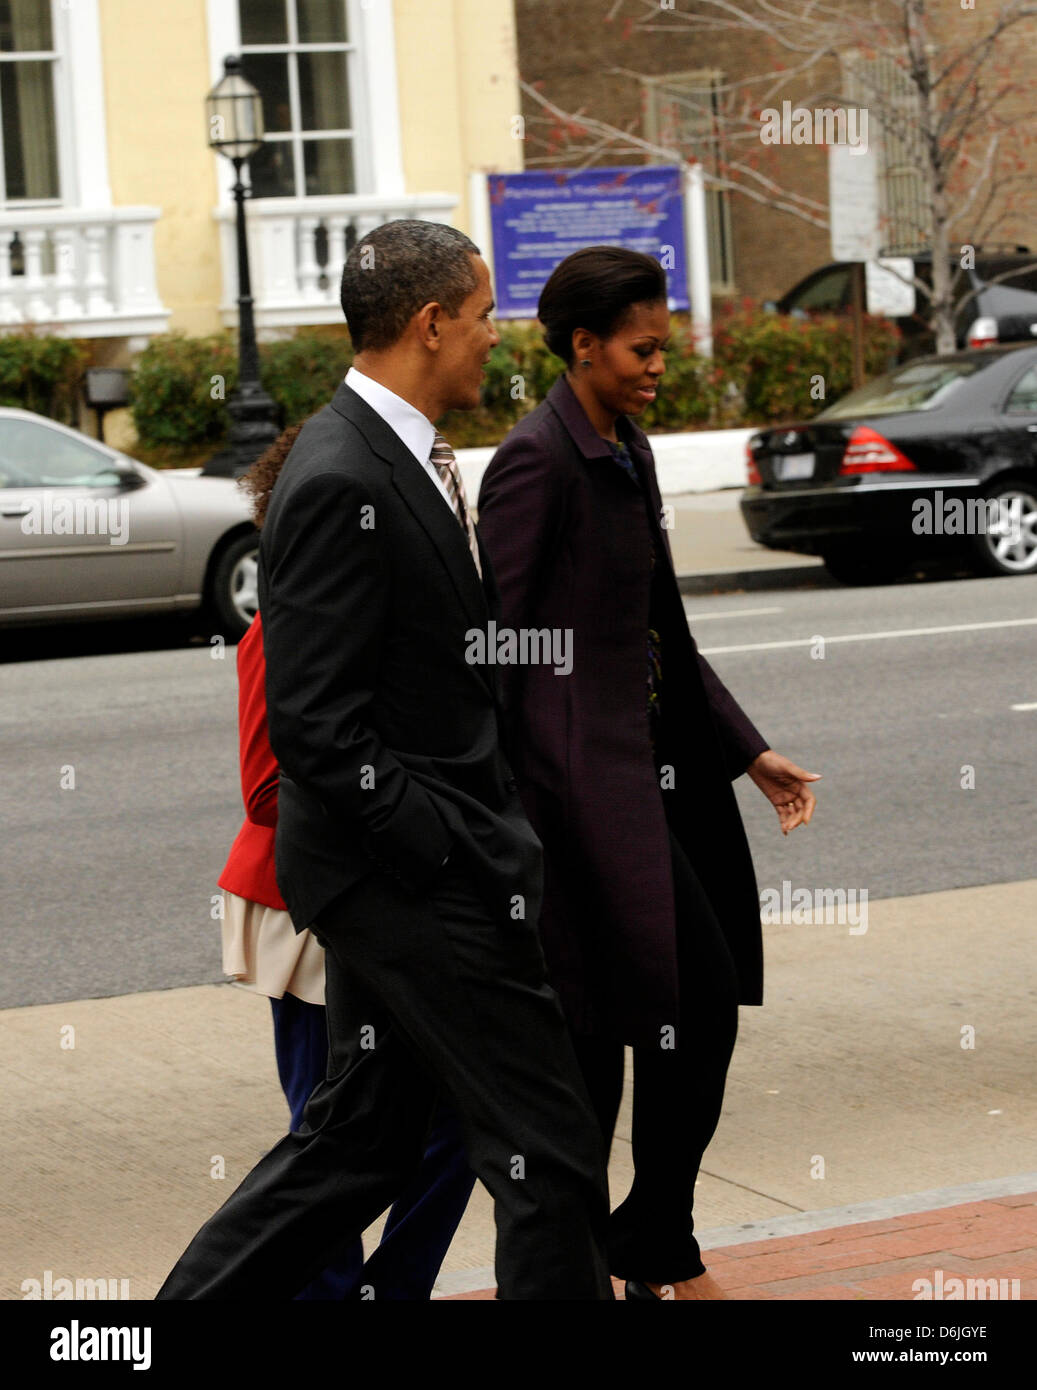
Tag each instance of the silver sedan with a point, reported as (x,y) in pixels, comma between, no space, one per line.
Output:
(86,532)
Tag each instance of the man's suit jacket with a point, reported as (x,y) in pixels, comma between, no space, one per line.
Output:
(386,736)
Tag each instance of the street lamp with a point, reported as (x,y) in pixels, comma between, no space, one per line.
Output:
(235,112)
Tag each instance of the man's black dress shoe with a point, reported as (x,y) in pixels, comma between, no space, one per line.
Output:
(636,1290)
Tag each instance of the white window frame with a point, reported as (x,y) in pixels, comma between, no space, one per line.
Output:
(81,129)
(377,147)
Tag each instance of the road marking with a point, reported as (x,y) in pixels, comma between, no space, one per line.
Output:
(734,613)
(868,636)
(1033,706)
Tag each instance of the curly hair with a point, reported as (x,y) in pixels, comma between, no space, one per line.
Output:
(259,480)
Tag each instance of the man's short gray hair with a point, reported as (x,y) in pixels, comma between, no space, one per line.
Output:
(398,268)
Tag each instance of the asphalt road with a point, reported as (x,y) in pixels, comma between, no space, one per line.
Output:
(107,884)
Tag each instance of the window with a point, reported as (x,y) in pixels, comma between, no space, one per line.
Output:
(882,86)
(826,293)
(682,113)
(298,54)
(34,455)
(1023,400)
(915,386)
(28,123)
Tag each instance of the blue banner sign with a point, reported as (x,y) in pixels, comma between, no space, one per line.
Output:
(541,216)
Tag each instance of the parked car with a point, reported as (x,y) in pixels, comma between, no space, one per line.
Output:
(940,453)
(86,532)
(1001,312)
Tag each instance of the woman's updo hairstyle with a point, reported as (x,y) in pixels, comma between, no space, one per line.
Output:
(595,289)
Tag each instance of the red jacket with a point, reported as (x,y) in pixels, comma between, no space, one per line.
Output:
(249,871)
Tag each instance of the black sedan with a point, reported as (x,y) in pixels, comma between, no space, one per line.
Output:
(939,454)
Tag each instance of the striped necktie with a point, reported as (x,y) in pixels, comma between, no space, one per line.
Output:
(446,466)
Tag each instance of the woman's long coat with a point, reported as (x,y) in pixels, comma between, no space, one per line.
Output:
(569,538)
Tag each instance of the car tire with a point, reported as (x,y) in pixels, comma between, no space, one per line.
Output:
(1015,554)
(874,563)
(233,596)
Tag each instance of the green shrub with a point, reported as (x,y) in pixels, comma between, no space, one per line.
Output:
(763,370)
(779,364)
(42,373)
(303,372)
(178,390)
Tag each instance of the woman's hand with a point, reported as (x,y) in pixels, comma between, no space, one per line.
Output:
(785,786)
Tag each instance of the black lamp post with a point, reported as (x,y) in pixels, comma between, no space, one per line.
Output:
(235,112)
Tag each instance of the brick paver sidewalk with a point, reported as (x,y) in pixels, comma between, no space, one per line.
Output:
(988,1240)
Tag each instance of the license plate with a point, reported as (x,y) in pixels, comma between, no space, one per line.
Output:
(789,466)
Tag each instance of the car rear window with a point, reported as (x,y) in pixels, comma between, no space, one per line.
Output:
(915,386)
(1023,278)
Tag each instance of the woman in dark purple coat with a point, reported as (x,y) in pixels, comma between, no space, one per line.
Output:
(625,751)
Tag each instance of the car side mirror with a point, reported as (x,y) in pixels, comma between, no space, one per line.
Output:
(120,475)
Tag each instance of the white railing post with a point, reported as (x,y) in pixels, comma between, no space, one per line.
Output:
(274,273)
(36,306)
(96,281)
(309,270)
(337,252)
(68,304)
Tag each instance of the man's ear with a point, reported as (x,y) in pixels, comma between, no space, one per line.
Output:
(428,325)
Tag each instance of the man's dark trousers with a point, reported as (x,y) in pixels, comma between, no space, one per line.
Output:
(423,994)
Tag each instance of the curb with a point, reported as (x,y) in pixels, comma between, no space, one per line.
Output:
(799,1223)
(779,577)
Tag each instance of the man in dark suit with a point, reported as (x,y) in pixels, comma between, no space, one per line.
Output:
(401,839)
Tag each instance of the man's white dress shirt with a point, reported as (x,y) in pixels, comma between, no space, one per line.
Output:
(417,432)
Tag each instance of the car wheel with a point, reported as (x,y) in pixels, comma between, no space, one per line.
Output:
(1009,545)
(875,563)
(234,595)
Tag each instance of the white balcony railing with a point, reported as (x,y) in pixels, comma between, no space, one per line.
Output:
(297,246)
(80,273)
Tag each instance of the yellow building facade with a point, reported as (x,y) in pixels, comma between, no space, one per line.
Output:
(117,219)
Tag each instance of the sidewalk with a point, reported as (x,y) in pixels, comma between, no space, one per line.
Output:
(974,1250)
(710,544)
(128,1140)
